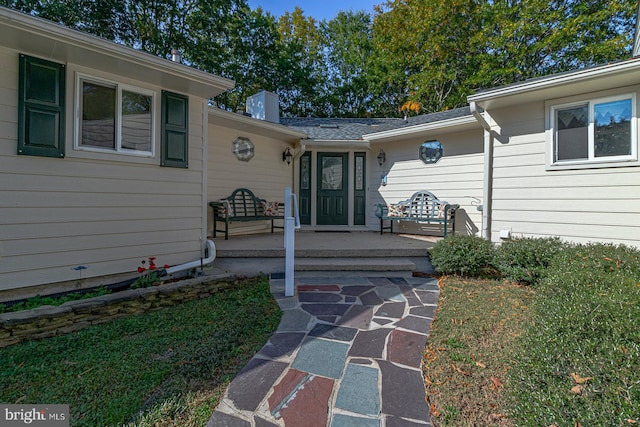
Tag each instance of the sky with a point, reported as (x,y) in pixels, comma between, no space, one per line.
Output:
(318,9)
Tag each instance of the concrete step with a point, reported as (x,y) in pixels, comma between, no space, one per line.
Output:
(323,253)
(354,264)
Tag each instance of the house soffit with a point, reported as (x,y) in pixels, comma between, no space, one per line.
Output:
(39,37)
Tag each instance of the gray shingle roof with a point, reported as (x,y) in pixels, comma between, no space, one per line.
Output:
(352,129)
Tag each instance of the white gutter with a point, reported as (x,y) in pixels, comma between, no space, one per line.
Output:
(198,263)
(555,80)
(425,127)
(487,189)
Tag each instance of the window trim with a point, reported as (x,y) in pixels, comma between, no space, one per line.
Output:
(591,162)
(120,87)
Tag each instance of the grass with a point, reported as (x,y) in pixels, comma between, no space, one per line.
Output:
(167,367)
(470,349)
(39,300)
(565,352)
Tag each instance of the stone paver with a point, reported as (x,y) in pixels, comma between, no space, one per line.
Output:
(347,353)
(359,390)
(322,357)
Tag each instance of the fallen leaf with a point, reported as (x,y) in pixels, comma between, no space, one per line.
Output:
(481,365)
(460,371)
(497,416)
(630,421)
(20,399)
(576,389)
(553,425)
(496,383)
(580,380)
(434,411)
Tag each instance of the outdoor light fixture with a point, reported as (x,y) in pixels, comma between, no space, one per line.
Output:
(382,157)
(287,156)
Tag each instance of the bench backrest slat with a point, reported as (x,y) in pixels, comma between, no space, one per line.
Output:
(244,203)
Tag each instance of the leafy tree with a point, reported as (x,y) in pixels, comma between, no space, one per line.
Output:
(440,51)
(301,65)
(347,39)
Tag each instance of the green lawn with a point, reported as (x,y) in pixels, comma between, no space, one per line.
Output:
(171,364)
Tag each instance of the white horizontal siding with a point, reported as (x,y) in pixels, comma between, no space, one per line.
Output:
(106,212)
(586,205)
(456,178)
(266,175)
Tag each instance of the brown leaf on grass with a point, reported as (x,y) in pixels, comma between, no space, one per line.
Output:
(460,371)
(580,380)
(481,365)
(553,425)
(497,416)
(630,421)
(496,383)
(434,411)
(576,389)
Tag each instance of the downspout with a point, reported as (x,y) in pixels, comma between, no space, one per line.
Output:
(303,149)
(487,189)
(211,247)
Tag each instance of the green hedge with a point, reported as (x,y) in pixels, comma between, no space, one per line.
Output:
(525,260)
(462,255)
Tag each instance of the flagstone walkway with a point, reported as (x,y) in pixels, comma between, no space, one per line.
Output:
(347,353)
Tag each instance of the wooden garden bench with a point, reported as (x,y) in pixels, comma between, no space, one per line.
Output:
(242,205)
(422,207)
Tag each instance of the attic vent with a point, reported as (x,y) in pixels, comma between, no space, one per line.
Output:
(328,126)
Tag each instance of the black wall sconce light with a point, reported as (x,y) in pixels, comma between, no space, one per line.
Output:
(287,156)
(382,157)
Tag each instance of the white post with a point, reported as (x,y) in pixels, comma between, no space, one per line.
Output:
(287,211)
(289,260)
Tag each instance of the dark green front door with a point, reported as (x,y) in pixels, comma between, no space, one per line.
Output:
(333,195)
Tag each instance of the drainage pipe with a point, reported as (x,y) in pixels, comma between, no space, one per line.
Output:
(198,263)
(487,189)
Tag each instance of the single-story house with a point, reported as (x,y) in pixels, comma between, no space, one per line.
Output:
(105,156)
(109,156)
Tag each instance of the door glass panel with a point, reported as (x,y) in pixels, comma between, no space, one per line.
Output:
(305,172)
(331,173)
(359,173)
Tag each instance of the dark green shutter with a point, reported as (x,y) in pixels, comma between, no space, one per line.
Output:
(175,130)
(41,97)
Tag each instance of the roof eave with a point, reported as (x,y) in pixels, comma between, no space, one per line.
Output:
(24,26)
(555,80)
(440,125)
(242,120)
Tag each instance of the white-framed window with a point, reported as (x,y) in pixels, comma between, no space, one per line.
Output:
(593,132)
(114,117)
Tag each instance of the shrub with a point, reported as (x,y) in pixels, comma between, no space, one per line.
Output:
(462,255)
(578,361)
(525,260)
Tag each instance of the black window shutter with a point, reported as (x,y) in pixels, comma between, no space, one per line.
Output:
(41,107)
(175,130)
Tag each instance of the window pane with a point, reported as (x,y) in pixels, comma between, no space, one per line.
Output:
(613,128)
(136,121)
(98,115)
(572,133)
(332,173)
